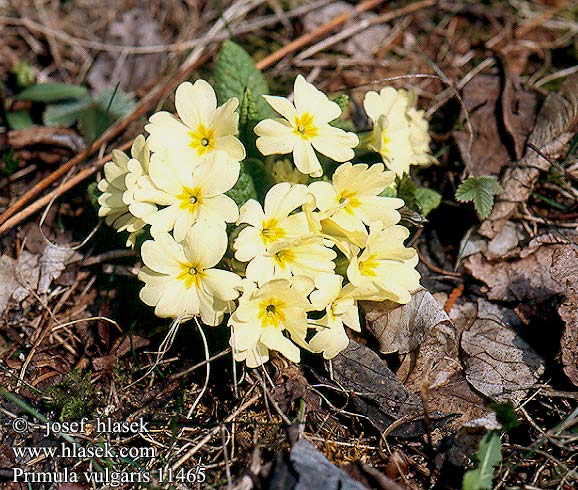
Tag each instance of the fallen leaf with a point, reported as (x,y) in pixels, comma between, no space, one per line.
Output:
(120,349)
(42,135)
(402,328)
(498,362)
(488,154)
(529,278)
(553,130)
(379,394)
(306,468)
(17,278)
(424,330)
(52,263)
(565,269)
(135,28)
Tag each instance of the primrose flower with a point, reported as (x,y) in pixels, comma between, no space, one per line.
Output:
(307,256)
(203,127)
(181,279)
(400,132)
(117,204)
(352,200)
(340,309)
(186,197)
(262,317)
(386,268)
(305,129)
(274,223)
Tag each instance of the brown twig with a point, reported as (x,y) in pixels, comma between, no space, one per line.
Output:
(308,38)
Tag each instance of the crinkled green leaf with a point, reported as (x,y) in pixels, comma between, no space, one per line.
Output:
(489,455)
(235,71)
(93,122)
(19,119)
(480,191)
(52,92)
(244,189)
(262,177)
(66,113)
(248,109)
(116,103)
(427,200)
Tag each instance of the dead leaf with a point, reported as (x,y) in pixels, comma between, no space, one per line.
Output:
(136,28)
(530,278)
(488,154)
(402,328)
(305,468)
(290,386)
(17,278)
(121,348)
(43,135)
(379,394)
(565,268)
(552,132)
(498,362)
(372,477)
(52,263)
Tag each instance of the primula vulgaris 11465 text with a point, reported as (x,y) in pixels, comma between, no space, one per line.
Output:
(298,261)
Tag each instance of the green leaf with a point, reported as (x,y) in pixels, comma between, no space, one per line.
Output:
(480,191)
(489,455)
(52,92)
(406,190)
(235,71)
(248,109)
(244,189)
(427,200)
(342,101)
(505,414)
(116,103)
(66,113)
(93,195)
(19,119)
(262,177)
(93,121)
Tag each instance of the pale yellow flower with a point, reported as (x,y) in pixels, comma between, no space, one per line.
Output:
(352,200)
(117,204)
(386,268)
(305,129)
(185,197)
(203,127)
(340,309)
(400,133)
(263,316)
(181,279)
(306,256)
(274,223)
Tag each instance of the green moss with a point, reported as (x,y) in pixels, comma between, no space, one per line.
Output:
(73,397)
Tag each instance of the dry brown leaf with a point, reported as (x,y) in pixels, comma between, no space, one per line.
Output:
(135,28)
(488,154)
(498,362)
(43,135)
(553,130)
(17,278)
(402,328)
(379,394)
(565,269)
(52,263)
(529,278)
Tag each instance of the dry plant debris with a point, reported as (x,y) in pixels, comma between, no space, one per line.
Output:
(408,403)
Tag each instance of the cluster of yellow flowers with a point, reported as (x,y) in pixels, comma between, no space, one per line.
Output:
(305,257)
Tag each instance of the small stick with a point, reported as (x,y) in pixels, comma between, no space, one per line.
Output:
(308,38)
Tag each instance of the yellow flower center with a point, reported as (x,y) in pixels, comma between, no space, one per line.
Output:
(352,201)
(271,313)
(190,199)
(385,141)
(304,126)
(202,139)
(191,274)
(271,232)
(367,267)
(283,257)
